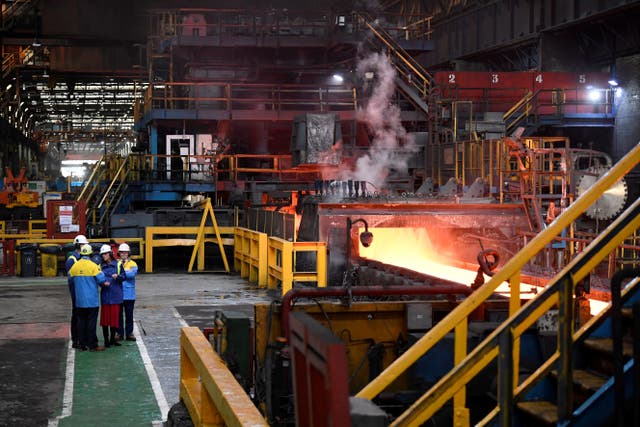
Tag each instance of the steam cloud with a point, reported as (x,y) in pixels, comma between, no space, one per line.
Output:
(391,145)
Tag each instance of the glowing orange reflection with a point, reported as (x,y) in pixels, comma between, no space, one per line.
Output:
(412,248)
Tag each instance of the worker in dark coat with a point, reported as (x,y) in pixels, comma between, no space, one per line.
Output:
(87,277)
(110,297)
(78,241)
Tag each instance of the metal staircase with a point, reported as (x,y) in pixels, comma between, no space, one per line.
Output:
(561,107)
(413,80)
(111,198)
(103,191)
(502,346)
(606,353)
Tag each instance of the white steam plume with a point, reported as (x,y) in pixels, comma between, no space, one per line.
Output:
(391,146)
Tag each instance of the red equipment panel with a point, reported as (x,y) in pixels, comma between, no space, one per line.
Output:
(320,374)
(7,263)
(555,92)
(65,219)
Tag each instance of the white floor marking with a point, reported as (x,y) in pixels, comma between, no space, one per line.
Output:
(67,397)
(151,373)
(182,322)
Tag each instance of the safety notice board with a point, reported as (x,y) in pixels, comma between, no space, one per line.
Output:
(65,219)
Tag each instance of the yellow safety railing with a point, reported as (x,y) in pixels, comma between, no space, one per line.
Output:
(453,385)
(250,255)
(153,240)
(92,182)
(114,189)
(137,241)
(35,228)
(522,108)
(208,389)
(281,266)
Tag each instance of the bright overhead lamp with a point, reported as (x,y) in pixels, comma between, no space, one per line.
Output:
(613,82)
(36,43)
(338,78)
(594,95)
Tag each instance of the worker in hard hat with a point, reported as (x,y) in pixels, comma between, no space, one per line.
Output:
(87,278)
(110,297)
(127,271)
(78,241)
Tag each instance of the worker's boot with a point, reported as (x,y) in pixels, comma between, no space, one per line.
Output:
(105,335)
(113,338)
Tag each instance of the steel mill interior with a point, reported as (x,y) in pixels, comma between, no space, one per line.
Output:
(328,213)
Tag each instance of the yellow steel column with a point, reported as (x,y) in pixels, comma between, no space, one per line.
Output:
(148,250)
(287,266)
(321,265)
(460,411)
(201,256)
(514,306)
(261,259)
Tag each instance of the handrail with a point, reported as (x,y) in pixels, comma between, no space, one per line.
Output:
(179,240)
(250,255)
(124,163)
(510,272)
(559,102)
(243,96)
(97,167)
(209,390)
(503,340)
(423,76)
(281,266)
(511,111)
(110,206)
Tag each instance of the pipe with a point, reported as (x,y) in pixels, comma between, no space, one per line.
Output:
(373,291)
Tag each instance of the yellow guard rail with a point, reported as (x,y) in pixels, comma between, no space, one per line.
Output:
(250,255)
(281,266)
(208,389)
(454,383)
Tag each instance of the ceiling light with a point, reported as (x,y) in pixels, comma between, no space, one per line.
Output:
(338,78)
(594,95)
(36,43)
(613,82)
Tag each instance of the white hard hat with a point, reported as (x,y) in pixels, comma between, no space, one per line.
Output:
(124,248)
(86,250)
(80,238)
(105,249)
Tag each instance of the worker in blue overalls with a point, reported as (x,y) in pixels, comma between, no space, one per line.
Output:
(78,241)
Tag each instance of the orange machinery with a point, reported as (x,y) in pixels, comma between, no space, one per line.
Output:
(15,192)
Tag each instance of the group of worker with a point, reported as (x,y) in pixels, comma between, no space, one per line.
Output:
(104,285)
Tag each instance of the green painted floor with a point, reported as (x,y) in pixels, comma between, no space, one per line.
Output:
(111,388)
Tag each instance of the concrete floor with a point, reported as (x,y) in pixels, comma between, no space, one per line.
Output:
(35,352)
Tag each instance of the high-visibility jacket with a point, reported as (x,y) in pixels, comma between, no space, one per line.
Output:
(86,276)
(127,272)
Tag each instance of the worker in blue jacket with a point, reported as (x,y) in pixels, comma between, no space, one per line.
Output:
(78,241)
(87,277)
(110,297)
(127,271)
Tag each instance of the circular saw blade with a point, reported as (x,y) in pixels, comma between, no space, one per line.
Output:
(610,203)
